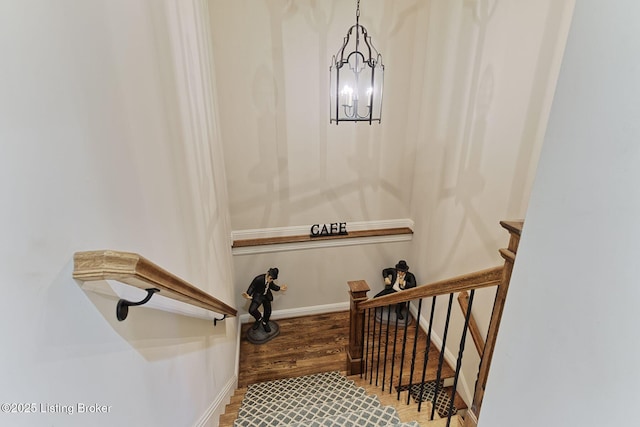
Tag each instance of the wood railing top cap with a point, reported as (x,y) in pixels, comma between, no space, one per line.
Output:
(513,226)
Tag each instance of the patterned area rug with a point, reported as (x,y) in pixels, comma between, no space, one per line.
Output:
(428,393)
(327,399)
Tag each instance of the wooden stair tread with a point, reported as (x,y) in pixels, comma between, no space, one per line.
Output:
(407,412)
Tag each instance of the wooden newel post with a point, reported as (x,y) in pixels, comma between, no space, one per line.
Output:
(358,290)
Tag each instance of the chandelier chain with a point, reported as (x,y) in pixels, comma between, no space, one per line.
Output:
(358,10)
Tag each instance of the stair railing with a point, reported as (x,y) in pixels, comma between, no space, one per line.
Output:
(137,271)
(368,350)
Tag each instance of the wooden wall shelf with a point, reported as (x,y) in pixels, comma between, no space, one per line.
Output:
(308,238)
(296,242)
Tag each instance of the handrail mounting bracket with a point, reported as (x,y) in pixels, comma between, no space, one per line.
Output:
(215,321)
(122,309)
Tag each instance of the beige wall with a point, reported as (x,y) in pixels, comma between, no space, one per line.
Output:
(286,164)
(568,349)
(489,80)
(490,72)
(111,141)
(468,86)
(467,90)
(102,147)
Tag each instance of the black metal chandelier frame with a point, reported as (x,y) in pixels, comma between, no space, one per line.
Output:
(361,68)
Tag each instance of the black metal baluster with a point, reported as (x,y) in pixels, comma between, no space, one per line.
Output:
(415,346)
(393,357)
(386,346)
(373,344)
(379,348)
(426,354)
(441,361)
(365,345)
(404,346)
(460,353)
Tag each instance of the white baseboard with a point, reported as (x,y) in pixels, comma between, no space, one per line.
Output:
(303,311)
(217,407)
(472,415)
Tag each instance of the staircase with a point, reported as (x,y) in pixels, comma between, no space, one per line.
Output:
(319,398)
(325,399)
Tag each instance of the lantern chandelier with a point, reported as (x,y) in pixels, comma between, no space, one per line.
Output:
(357,76)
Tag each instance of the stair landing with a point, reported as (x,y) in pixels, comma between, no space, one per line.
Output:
(309,345)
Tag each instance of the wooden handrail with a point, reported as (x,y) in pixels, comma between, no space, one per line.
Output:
(497,276)
(137,271)
(466,282)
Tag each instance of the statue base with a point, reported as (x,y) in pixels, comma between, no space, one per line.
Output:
(384,314)
(260,336)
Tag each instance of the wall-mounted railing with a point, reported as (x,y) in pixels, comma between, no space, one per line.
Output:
(135,270)
(385,349)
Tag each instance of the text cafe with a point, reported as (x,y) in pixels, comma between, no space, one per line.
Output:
(333,229)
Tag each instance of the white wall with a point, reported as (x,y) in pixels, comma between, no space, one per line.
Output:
(468,87)
(102,147)
(489,80)
(467,91)
(286,165)
(568,348)
(490,73)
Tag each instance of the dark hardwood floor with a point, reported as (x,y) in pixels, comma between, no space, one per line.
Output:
(311,344)
(306,345)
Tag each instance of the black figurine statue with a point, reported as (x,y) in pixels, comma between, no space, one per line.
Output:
(259,292)
(395,280)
